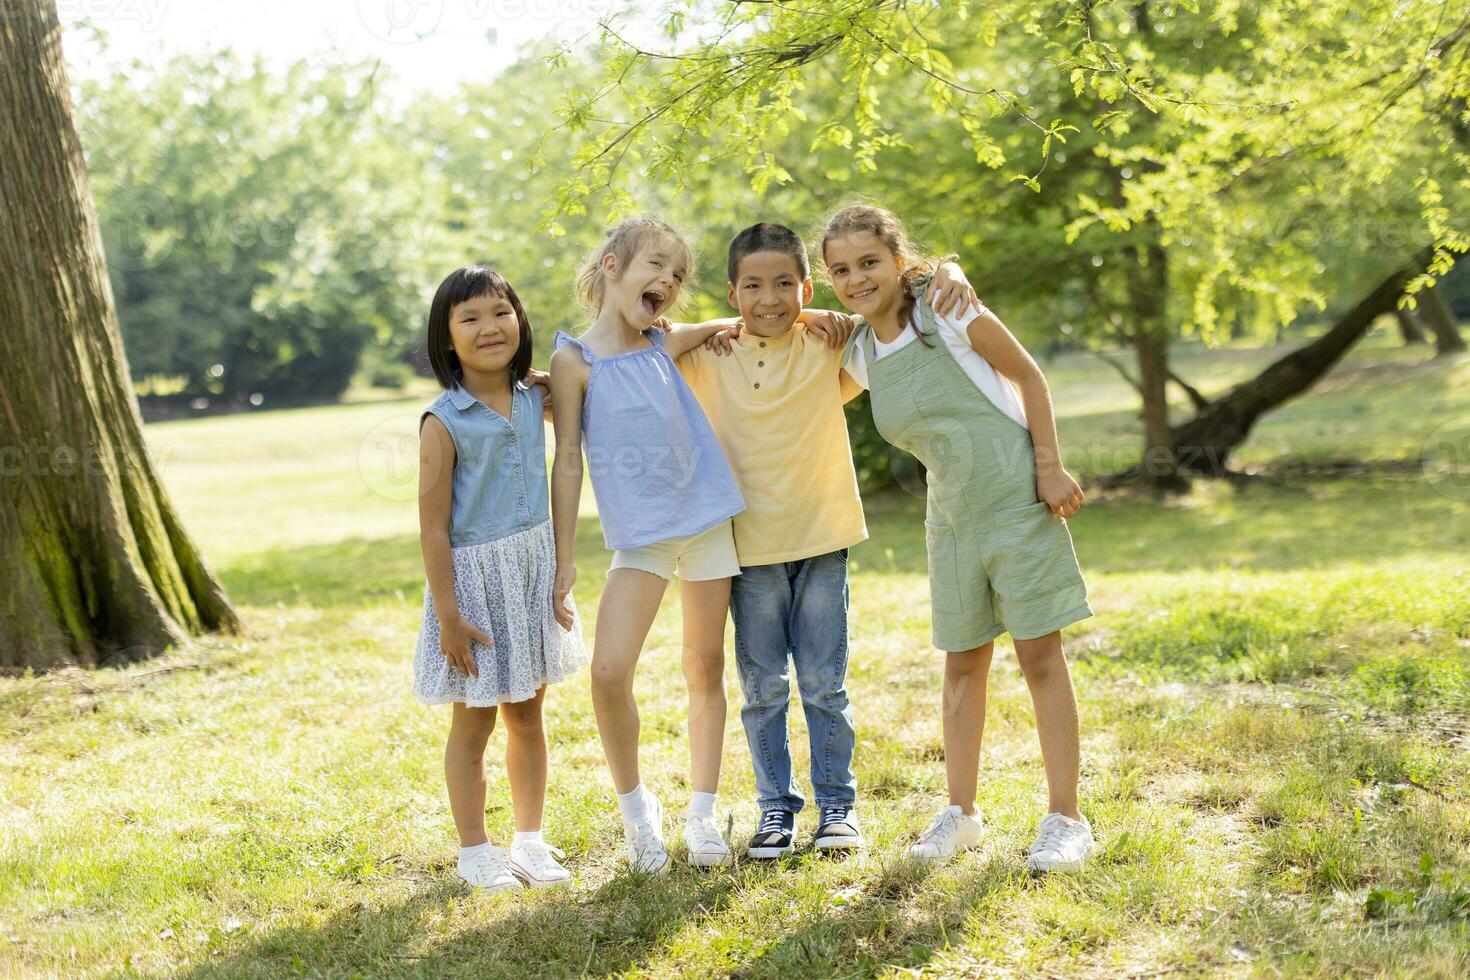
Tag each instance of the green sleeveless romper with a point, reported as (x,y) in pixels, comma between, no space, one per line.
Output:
(999,559)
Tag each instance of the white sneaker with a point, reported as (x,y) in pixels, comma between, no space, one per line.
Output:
(707,847)
(536,864)
(951,830)
(645,839)
(488,870)
(1062,844)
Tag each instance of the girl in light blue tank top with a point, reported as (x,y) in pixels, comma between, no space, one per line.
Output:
(657,470)
(665,495)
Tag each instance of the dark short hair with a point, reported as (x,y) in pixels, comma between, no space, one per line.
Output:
(465,283)
(767,236)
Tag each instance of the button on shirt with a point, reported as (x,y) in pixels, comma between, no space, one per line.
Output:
(499,483)
(776,407)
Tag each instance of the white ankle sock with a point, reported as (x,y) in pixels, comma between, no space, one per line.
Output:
(467,854)
(528,837)
(702,805)
(632,805)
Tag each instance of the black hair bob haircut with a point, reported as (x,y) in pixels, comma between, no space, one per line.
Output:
(767,236)
(465,283)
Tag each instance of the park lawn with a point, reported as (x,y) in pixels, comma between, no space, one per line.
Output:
(1275,696)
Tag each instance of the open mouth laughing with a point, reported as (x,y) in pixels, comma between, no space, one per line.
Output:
(653,300)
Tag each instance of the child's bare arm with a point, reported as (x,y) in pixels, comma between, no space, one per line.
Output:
(684,337)
(436,478)
(831,325)
(991,340)
(569,374)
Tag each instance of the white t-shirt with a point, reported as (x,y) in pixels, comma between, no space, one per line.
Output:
(953,330)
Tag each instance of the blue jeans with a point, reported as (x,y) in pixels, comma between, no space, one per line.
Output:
(795,612)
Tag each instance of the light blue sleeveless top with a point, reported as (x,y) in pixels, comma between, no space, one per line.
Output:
(499,482)
(657,470)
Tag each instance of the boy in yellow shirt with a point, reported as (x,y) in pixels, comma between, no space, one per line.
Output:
(776,407)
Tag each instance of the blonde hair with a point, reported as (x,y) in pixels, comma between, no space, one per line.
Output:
(625,241)
(886,227)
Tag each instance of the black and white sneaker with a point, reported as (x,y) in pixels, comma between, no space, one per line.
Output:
(838,830)
(773,837)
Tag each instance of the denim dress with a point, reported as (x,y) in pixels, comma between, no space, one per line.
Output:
(503,556)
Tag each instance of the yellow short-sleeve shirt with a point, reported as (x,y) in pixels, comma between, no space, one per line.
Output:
(776,407)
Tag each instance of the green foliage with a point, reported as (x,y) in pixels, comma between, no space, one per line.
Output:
(259,230)
(1436,898)
(1103,169)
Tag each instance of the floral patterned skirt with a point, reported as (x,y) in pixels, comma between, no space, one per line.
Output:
(504,588)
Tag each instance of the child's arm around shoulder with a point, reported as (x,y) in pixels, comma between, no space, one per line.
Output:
(569,374)
(684,337)
(832,326)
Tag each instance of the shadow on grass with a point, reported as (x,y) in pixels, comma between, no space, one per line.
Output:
(879,928)
(576,932)
(630,921)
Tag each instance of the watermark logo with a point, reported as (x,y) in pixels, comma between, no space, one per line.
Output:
(388,458)
(400,21)
(1445,458)
(147,14)
(140,229)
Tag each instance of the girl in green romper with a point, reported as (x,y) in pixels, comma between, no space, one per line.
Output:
(1000,555)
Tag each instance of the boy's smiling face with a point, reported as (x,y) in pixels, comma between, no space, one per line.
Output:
(769,292)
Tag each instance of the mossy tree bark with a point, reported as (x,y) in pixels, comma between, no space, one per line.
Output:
(95,564)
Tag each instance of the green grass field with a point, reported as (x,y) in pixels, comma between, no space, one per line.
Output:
(1276,715)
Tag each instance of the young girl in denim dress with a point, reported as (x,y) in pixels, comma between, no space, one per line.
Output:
(490,641)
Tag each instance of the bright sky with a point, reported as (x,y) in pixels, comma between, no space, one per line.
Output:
(427,44)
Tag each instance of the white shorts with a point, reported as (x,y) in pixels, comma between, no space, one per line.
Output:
(696,557)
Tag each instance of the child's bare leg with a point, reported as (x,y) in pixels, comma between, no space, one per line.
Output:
(525,759)
(965,676)
(1045,668)
(706,606)
(624,615)
(464,770)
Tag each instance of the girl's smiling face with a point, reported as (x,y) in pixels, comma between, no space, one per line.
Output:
(650,284)
(864,273)
(485,332)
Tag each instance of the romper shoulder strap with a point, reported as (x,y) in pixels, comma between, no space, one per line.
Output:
(860,340)
(655,336)
(927,324)
(563,338)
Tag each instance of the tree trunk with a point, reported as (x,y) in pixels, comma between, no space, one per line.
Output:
(1441,320)
(1205,442)
(1147,279)
(95,563)
(1408,327)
